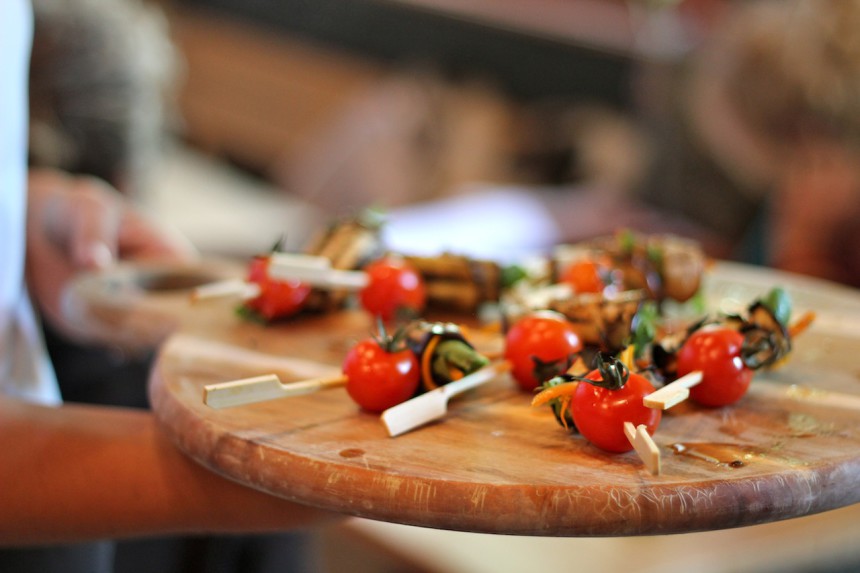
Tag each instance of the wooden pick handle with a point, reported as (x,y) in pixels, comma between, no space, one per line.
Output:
(644,446)
(229,288)
(433,405)
(262,388)
(672,393)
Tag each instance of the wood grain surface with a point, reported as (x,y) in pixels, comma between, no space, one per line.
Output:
(791,447)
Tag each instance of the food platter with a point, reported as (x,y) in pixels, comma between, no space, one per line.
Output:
(790,448)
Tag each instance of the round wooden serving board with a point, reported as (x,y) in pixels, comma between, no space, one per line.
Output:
(791,447)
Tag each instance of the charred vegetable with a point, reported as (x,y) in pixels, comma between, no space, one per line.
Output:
(457,282)
(601,323)
(766,337)
(443,352)
(348,244)
(663,266)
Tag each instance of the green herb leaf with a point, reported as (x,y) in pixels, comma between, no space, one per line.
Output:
(457,354)
(779,303)
(644,327)
(512,274)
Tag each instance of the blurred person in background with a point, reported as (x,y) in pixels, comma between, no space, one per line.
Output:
(774,99)
(746,140)
(100,80)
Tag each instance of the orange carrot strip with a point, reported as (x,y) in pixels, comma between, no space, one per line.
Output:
(801,324)
(426,360)
(557,391)
(565,408)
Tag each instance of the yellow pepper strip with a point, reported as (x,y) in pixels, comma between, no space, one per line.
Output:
(578,368)
(557,391)
(628,358)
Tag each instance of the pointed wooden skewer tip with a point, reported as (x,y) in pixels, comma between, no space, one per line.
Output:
(644,446)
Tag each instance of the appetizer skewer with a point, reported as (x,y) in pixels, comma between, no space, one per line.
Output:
(606,406)
(378,372)
(713,364)
(311,269)
(279,285)
(729,351)
(246,289)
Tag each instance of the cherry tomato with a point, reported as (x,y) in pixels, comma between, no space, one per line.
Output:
(393,285)
(277,298)
(600,413)
(540,346)
(716,352)
(378,378)
(585,275)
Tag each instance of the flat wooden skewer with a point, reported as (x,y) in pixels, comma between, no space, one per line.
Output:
(233,288)
(237,288)
(299,260)
(262,388)
(326,277)
(673,393)
(644,446)
(433,405)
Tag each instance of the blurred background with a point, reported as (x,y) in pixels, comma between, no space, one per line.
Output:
(240,121)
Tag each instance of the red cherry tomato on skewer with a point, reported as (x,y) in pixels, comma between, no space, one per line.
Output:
(599,413)
(379,377)
(716,352)
(277,298)
(393,286)
(586,276)
(540,346)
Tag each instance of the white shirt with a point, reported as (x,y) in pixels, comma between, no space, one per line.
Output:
(24,368)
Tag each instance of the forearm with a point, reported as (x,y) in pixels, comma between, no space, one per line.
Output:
(76,473)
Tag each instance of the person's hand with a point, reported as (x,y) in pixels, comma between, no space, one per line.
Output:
(80,223)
